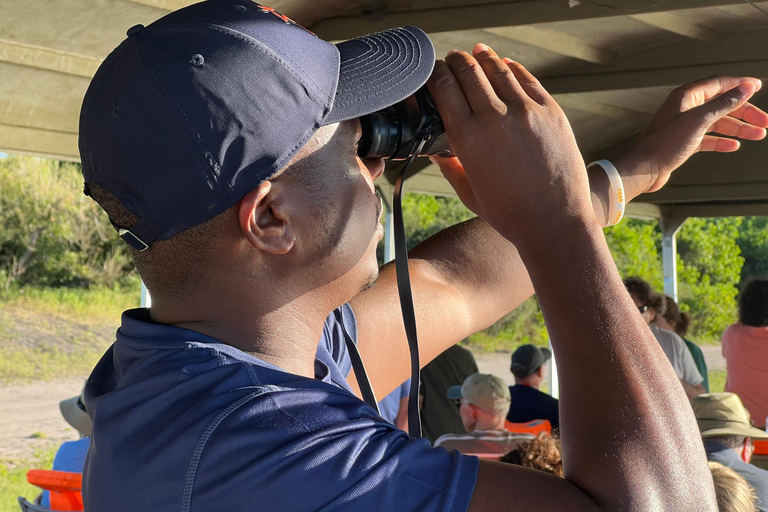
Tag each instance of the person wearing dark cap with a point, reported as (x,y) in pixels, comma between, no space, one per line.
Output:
(528,402)
(726,428)
(222,140)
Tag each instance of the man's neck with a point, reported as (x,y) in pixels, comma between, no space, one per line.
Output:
(285,336)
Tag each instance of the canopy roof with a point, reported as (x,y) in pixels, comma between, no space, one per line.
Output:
(608,63)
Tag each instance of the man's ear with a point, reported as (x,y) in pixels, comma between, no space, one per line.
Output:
(264,222)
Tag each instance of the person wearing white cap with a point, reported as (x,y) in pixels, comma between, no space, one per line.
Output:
(485,402)
(70,456)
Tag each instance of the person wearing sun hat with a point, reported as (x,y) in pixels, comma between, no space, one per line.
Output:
(727,431)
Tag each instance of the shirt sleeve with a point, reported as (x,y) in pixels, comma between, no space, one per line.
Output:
(691,373)
(321,449)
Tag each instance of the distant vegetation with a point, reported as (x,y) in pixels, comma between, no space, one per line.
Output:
(52,237)
(714,257)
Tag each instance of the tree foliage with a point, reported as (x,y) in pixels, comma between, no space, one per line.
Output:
(50,233)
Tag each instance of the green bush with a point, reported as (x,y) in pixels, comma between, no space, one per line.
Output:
(51,234)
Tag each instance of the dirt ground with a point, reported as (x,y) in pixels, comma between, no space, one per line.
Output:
(30,420)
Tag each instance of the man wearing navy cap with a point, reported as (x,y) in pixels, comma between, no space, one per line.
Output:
(222,141)
(528,403)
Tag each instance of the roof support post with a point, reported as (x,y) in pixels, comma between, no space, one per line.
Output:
(387,191)
(670,225)
(146,300)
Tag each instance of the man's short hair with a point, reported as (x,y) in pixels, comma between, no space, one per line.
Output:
(734,442)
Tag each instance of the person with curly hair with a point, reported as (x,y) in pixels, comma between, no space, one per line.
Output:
(745,348)
(542,453)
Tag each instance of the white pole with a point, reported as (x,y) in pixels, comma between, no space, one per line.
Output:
(554,383)
(146,300)
(670,226)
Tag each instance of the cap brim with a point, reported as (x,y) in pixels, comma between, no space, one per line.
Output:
(709,428)
(379,70)
(454,392)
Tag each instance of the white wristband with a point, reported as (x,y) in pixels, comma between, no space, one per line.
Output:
(617,202)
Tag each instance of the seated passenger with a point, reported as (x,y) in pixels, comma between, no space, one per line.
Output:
(71,455)
(484,406)
(670,317)
(727,432)
(745,348)
(528,403)
(647,301)
(734,494)
(542,453)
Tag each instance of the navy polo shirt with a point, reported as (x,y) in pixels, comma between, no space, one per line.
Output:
(185,422)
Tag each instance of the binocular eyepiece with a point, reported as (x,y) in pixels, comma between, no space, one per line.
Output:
(396,132)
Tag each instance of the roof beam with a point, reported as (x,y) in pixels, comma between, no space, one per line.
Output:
(677,25)
(47,59)
(166,5)
(305,13)
(579,102)
(639,78)
(523,12)
(718,210)
(744,53)
(556,42)
(22,139)
(710,192)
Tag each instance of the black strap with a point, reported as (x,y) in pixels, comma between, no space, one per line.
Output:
(406,306)
(406,297)
(357,364)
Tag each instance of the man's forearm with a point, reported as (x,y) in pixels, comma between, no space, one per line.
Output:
(605,354)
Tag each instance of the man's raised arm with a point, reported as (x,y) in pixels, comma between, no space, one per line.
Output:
(468,276)
(630,442)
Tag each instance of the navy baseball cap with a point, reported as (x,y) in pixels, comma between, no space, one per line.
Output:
(192,112)
(527,359)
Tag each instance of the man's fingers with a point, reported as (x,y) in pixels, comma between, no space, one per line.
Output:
(528,82)
(752,115)
(718,144)
(448,96)
(708,88)
(736,128)
(499,75)
(721,106)
(474,84)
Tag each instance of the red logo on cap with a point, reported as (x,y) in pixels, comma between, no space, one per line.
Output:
(286,19)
